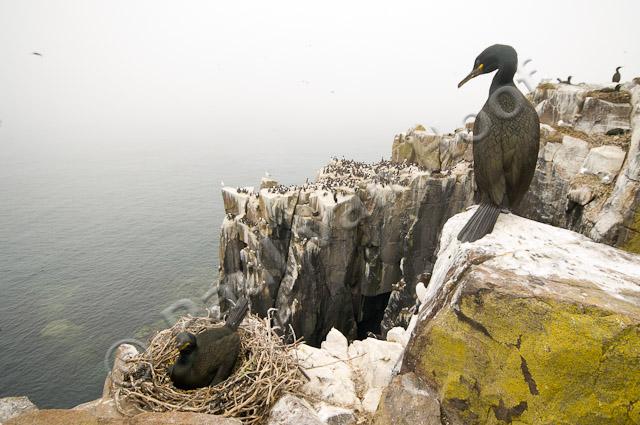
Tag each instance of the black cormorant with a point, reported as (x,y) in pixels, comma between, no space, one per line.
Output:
(616,76)
(506,139)
(567,81)
(208,358)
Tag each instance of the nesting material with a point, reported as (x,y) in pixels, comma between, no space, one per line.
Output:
(266,369)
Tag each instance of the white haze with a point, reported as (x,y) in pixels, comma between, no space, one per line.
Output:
(330,77)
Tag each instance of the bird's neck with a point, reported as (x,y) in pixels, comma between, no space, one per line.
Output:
(504,77)
(185,357)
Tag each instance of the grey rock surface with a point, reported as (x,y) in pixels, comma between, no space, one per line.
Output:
(408,401)
(291,410)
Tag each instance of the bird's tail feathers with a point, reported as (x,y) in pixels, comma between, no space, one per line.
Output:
(236,316)
(480,223)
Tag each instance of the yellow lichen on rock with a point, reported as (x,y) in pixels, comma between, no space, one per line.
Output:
(497,358)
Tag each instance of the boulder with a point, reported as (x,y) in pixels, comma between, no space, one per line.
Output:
(14,406)
(530,324)
(408,401)
(331,379)
(293,410)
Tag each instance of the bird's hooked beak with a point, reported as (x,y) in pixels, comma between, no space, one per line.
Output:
(477,71)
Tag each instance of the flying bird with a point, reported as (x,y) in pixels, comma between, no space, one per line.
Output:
(616,76)
(208,358)
(506,139)
(36,54)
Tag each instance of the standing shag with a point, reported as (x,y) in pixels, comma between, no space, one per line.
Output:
(616,76)
(208,358)
(567,81)
(506,139)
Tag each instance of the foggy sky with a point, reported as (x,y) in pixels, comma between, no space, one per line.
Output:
(345,73)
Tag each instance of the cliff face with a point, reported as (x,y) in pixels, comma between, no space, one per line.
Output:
(586,180)
(339,251)
(327,254)
(587,177)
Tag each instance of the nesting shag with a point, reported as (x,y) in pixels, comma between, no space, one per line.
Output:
(616,76)
(506,138)
(567,81)
(208,358)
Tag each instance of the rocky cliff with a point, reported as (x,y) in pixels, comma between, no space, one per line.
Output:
(339,251)
(532,325)
(328,253)
(588,171)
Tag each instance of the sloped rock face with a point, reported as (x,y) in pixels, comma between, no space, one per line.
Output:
(326,254)
(531,324)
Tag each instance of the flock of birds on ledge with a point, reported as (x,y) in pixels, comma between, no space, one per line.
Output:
(341,174)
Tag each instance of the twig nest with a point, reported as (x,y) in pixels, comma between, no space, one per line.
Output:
(266,369)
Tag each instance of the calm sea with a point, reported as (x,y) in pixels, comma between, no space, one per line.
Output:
(96,240)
